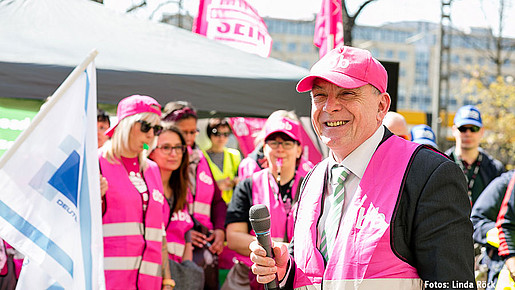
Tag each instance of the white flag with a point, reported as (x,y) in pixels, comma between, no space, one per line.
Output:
(50,206)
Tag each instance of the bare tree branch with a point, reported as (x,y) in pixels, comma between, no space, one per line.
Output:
(143,3)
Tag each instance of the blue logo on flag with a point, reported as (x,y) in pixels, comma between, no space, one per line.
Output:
(66,178)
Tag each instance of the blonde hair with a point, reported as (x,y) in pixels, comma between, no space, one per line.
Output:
(119,142)
(277,114)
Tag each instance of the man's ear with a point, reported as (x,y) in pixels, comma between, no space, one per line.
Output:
(384,105)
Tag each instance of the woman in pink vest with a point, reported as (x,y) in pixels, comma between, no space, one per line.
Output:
(275,186)
(171,156)
(256,160)
(207,206)
(133,206)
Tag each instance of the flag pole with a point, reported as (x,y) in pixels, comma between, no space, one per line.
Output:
(50,103)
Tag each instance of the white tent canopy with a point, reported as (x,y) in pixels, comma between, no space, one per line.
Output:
(42,41)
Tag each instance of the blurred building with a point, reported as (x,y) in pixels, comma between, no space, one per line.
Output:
(414,45)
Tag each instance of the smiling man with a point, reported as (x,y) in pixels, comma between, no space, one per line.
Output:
(479,167)
(380,212)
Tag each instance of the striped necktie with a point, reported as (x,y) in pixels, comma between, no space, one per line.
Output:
(332,221)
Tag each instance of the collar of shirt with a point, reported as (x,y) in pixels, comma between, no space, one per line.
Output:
(357,161)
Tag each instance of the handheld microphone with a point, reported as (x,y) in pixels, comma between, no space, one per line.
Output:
(260,222)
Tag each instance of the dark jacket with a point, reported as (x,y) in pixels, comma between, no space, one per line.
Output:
(486,209)
(506,225)
(489,169)
(430,228)
(484,216)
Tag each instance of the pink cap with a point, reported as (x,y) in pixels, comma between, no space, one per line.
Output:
(283,125)
(347,67)
(133,105)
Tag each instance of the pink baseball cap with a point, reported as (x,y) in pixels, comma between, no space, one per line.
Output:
(283,125)
(347,67)
(133,105)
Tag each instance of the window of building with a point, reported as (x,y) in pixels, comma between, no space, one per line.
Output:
(307,48)
(403,55)
(388,53)
(277,46)
(292,47)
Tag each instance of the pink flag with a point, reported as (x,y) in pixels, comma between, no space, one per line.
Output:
(329,26)
(235,23)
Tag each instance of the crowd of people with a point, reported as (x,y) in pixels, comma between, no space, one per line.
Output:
(385,210)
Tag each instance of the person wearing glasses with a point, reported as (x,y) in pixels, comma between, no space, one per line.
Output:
(276,187)
(133,205)
(479,167)
(256,160)
(171,156)
(223,161)
(207,207)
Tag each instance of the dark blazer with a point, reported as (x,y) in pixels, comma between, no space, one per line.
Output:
(430,228)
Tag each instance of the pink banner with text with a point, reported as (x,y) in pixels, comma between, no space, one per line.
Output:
(235,23)
(246,130)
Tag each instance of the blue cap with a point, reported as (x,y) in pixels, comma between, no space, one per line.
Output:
(423,134)
(468,115)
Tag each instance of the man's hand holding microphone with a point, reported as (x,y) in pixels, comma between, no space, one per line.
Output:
(270,260)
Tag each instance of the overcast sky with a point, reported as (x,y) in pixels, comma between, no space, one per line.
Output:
(464,13)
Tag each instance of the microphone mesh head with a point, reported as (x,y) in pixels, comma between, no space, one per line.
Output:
(259,218)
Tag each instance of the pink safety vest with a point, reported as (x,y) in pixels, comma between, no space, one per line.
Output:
(132,242)
(265,191)
(179,224)
(362,257)
(205,190)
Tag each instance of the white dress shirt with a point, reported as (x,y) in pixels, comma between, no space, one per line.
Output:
(356,162)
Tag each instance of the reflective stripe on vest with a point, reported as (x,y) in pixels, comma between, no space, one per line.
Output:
(121,263)
(122,229)
(175,248)
(151,269)
(202,208)
(369,284)
(155,235)
(362,248)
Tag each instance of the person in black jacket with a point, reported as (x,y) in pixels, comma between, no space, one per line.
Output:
(479,167)
(484,215)
(506,226)
(428,238)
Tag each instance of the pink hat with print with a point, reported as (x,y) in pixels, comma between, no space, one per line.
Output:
(347,67)
(283,125)
(133,105)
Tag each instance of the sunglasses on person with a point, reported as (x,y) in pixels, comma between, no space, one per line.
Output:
(275,144)
(167,149)
(146,126)
(473,129)
(219,134)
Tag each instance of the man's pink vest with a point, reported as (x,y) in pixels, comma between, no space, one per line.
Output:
(132,240)
(205,190)
(180,223)
(362,256)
